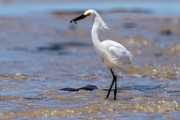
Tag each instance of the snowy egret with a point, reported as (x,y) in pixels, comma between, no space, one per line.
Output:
(115,55)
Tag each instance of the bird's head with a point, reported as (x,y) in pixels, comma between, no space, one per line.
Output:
(84,15)
(102,24)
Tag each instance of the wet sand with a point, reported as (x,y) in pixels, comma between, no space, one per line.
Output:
(44,53)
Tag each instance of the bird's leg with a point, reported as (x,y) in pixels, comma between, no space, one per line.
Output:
(110,88)
(115,90)
(111,83)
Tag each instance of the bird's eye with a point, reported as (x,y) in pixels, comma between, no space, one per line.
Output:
(88,14)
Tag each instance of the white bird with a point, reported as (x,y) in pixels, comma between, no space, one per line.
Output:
(115,55)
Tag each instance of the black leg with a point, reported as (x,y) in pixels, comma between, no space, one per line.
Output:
(115,90)
(114,80)
(110,88)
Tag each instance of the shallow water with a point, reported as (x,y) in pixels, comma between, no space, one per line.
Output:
(42,54)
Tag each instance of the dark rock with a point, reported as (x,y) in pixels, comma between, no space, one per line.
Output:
(87,87)
(166,31)
(129,25)
(34,98)
(70,89)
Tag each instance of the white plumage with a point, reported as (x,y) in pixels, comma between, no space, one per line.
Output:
(115,55)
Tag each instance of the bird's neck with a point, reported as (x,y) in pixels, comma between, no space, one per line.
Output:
(94,32)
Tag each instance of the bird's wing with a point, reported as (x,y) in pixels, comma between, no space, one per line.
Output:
(120,55)
(111,43)
(117,53)
(116,48)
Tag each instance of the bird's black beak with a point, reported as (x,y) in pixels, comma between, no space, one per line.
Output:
(78,18)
